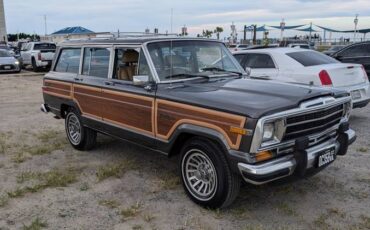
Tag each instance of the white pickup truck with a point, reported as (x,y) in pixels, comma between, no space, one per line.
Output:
(38,54)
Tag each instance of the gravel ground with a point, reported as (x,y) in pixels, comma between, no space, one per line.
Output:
(44,183)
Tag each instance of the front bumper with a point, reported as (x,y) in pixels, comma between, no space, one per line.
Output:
(289,164)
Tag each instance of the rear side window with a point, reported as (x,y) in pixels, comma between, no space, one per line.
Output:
(311,58)
(259,61)
(68,61)
(44,46)
(356,51)
(96,62)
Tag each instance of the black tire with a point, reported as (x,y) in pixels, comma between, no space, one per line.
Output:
(87,136)
(34,66)
(227,183)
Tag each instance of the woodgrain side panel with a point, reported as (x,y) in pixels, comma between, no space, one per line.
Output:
(171,114)
(57,88)
(129,110)
(89,99)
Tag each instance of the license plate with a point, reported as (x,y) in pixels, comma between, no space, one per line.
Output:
(7,67)
(326,157)
(356,94)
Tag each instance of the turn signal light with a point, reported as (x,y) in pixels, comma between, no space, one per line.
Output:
(238,130)
(264,155)
(325,78)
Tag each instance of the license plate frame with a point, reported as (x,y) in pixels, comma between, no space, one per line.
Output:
(356,94)
(325,157)
(6,67)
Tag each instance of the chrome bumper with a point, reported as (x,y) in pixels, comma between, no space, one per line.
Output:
(285,166)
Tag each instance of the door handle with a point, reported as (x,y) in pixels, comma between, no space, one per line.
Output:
(77,79)
(109,83)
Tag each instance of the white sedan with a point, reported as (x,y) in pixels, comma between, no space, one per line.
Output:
(307,67)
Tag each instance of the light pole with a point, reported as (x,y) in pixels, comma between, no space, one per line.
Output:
(356,22)
(282,27)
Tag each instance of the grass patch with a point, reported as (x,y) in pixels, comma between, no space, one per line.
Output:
(169,181)
(36,225)
(137,227)
(132,211)
(362,149)
(365,222)
(109,203)
(48,135)
(84,186)
(19,158)
(286,209)
(115,170)
(51,179)
(148,217)
(3,145)
(3,201)
(320,222)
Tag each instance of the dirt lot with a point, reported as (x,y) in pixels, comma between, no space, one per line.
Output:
(44,183)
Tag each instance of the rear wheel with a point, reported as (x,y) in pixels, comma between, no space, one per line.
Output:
(206,176)
(34,65)
(80,137)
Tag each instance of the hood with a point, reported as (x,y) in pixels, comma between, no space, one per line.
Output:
(249,97)
(7,60)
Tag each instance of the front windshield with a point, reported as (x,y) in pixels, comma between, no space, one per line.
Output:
(4,53)
(184,59)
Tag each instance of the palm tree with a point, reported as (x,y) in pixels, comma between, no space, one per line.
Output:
(207,33)
(217,31)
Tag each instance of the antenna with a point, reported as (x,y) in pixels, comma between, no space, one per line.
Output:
(46,26)
(171,19)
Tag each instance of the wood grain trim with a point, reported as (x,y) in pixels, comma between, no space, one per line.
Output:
(132,95)
(58,91)
(224,115)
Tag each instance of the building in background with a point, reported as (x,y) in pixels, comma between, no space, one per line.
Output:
(3,34)
(76,32)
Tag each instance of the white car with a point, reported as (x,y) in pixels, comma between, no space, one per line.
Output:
(307,67)
(299,46)
(38,54)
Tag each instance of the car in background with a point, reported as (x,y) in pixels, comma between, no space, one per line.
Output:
(38,54)
(299,45)
(6,47)
(237,47)
(8,63)
(333,49)
(356,53)
(307,67)
(254,47)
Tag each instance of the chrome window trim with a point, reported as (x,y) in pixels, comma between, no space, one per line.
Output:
(257,137)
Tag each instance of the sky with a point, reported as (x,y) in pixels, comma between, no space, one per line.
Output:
(137,15)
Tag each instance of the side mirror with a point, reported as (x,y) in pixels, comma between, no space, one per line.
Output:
(248,70)
(140,80)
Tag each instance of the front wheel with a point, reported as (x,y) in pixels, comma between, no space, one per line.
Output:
(206,176)
(80,137)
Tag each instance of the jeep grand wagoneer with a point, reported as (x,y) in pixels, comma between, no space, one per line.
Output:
(190,97)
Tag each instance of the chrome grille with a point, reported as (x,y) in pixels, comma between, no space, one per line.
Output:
(312,122)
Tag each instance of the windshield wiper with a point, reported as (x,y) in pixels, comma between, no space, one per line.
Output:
(221,70)
(185,75)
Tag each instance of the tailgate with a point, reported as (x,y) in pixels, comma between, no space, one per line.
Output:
(345,74)
(47,55)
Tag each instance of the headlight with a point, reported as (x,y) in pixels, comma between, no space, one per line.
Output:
(16,62)
(273,132)
(268,131)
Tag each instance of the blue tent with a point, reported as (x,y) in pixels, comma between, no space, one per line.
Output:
(308,29)
(73,30)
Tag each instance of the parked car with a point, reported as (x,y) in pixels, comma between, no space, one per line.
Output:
(6,47)
(356,53)
(38,54)
(307,67)
(8,63)
(333,49)
(299,45)
(255,47)
(237,47)
(166,95)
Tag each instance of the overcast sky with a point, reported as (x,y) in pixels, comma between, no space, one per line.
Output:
(136,15)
